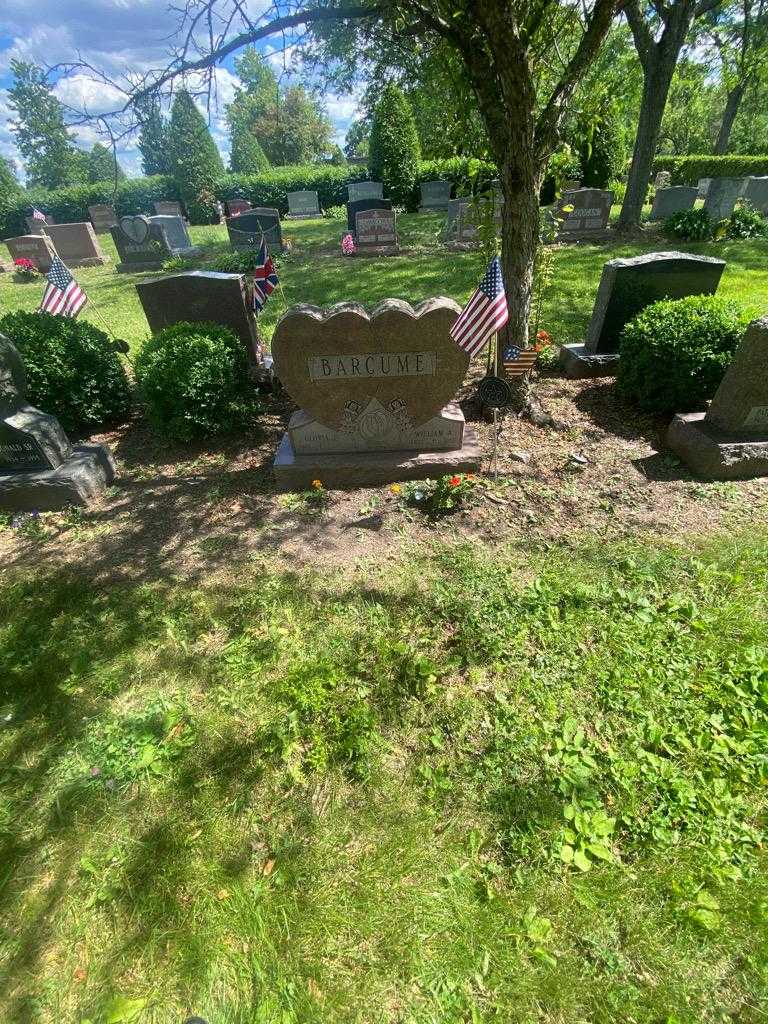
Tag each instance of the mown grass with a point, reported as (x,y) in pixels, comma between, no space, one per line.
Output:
(316,272)
(293,796)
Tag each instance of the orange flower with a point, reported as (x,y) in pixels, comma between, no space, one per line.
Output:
(544,337)
(317,484)
(455,481)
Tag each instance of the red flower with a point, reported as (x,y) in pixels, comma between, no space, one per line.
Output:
(455,481)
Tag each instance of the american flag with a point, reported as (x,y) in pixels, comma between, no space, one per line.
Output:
(37,214)
(264,278)
(518,361)
(485,312)
(63,296)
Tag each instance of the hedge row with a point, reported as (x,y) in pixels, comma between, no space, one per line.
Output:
(686,170)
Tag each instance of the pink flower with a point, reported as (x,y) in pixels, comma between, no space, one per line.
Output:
(348,245)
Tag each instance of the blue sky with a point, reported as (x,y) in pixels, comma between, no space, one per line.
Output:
(118,36)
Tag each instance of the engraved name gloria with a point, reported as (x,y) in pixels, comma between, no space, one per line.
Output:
(372,365)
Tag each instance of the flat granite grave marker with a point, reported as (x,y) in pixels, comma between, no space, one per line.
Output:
(756,193)
(177,234)
(168,208)
(673,200)
(203,296)
(589,217)
(364,190)
(730,440)
(361,205)
(626,287)
(375,394)
(76,244)
(376,233)
(38,248)
(39,468)
(246,230)
(303,205)
(434,196)
(722,195)
(141,245)
(103,217)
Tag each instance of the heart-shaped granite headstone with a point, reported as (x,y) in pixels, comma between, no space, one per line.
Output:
(335,362)
(136,228)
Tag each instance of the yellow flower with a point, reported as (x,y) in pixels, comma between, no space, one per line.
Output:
(568,209)
(317,484)
(395,488)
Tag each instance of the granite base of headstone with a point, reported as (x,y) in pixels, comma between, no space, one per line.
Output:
(76,244)
(103,217)
(756,193)
(675,199)
(722,195)
(304,205)
(247,229)
(141,245)
(375,395)
(730,440)
(363,205)
(583,215)
(39,469)
(364,190)
(626,287)
(37,248)
(376,233)
(435,196)
(177,233)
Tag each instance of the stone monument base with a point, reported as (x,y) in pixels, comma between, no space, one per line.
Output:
(303,216)
(139,268)
(376,250)
(578,363)
(714,454)
(77,481)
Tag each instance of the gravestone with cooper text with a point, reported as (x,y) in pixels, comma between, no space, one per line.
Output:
(76,244)
(38,248)
(626,287)
(756,193)
(674,199)
(103,217)
(375,394)
(247,229)
(730,440)
(303,205)
(434,196)
(362,205)
(364,190)
(588,218)
(376,233)
(39,468)
(177,234)
(722,195)
(203,296)
(141,245)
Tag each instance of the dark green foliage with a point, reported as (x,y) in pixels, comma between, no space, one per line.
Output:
(563,165)
(195,162)
(600,150)
(246,156)
(745,222)
(674,353)
(102,165)
(194,378)
(153,138)
(9,186)
(394,149)
(689,225)
(73,370)
(687,170)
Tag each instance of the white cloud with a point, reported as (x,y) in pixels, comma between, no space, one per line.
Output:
(82,93)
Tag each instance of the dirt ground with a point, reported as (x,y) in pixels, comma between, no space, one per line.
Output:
(188,512)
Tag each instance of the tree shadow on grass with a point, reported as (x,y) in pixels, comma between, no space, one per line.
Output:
(607,407)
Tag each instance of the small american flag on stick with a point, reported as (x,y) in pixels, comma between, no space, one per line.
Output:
(518,361)
(63,296)
(37,214)
(485,312)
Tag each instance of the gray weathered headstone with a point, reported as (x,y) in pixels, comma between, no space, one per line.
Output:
(703,187)
(141,245)
(730,440)
(360,205)
(673,200)
(589,216)
(662,180)
(177,234)
(39,468)
(303,205)
(721,196)
(376,233)
(38,248)
(247,229)
(756,193)
(168,208)
(626,287)
(435,196)
(76,244)
(364,190)
(103,217)
(453,210)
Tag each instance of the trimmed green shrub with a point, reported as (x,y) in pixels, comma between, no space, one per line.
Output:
(194,378)
(690,225)
(745,222)
(394,150)
(194,160)
(73,370)
(674,353)
(687,170)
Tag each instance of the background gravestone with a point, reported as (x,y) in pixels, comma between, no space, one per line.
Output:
(375,394)
(76,244)
(103,217)
(730,440)
(703,187)
(434,196)
(361,205)
(38,248)
(246,230)
(589,216)
(141,245)
(662,180)
(376,233)
(628,286)
(303,205)
(177,234)
(168,208)
(203,296)
(673,200)
(453,210)
(470,215)
(35,226)
(722,195)
(237,206)
(39,469)
(365,190)
(756,193)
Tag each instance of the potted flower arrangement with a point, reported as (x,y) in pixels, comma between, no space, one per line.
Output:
(24,269)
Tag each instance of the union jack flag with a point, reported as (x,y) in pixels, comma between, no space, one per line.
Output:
(63,296)
(265,278)
(485,312)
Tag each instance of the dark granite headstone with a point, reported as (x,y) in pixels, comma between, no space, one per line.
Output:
(177,234)
(103,217)
(673,200)
(360,205)
(589,216)
(168,208)
(38,248)
(364,190)
(141,245)
(756,193)
(626,287)
(722,195)
(246,230)
(376,232)
(434,196)
(303,205)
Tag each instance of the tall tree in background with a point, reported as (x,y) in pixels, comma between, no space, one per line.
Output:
(659,31)
(8,183)
(50,156)
(195,162)
(253,97)
(394,150)
(740,34)
(103,164)
(153,137)
(358,138)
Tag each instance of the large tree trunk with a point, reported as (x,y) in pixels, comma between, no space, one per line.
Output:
(729,116)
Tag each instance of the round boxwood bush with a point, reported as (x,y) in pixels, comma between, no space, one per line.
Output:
(674,353)
(73,370)
(194,378)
